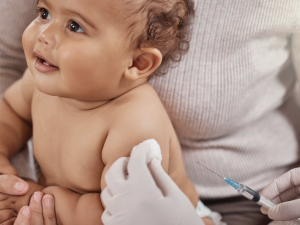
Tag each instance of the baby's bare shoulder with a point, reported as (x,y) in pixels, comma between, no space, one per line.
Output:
(137,116)
(140,108)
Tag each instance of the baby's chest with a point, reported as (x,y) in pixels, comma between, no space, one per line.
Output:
(68,148)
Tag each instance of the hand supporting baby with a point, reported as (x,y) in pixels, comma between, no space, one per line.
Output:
(10,205)
(39,212)
(14,192)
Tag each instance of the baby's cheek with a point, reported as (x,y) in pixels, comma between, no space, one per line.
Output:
(29,39)
(78,68)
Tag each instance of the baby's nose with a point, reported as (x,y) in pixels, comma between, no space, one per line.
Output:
(47,37)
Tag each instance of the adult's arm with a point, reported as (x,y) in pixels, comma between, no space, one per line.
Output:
(15,16)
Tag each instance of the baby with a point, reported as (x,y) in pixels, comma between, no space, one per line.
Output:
(85,99)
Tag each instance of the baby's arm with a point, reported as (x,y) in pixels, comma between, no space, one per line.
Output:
(15,130)
(143,121)
(15,116)
(129,133)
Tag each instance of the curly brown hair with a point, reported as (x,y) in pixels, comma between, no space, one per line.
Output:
(167,24)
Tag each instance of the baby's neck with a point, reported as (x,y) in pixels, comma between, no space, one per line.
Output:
(81,105)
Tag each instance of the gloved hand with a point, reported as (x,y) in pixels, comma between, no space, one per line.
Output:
(283,191)
(148,196)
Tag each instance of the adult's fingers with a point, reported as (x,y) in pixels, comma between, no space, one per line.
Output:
(137,166)
(285,211)
(117,173)
(36,209)
(106,217)
(24,217)
(162,179)
(48,210)
(287,195)
(264,210)
(281,184)
(12,185)
(106,197)
(111,204)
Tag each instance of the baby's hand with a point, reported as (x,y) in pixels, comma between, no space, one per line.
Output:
(10,205)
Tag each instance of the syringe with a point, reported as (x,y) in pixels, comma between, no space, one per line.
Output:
(246,191)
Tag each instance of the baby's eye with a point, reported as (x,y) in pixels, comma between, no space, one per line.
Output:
(44,14)
(75,27)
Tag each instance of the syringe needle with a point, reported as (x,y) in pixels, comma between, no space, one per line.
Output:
(246,191)
(212,171)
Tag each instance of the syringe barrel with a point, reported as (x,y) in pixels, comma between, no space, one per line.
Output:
(254,196)
(266,203)
(248,193)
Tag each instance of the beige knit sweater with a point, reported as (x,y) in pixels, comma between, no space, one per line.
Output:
(232,99)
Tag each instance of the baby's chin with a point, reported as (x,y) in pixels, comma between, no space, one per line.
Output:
(49,84)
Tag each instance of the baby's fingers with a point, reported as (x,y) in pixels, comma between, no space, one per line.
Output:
(7,203)
(7,214)
(6,167)
(10,221)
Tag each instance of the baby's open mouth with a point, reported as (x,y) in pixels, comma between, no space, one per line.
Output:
(45,62)
(43,65)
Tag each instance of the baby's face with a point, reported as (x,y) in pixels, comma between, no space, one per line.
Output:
(76,49)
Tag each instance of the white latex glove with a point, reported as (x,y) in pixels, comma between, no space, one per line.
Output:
(148,196)
(284,191)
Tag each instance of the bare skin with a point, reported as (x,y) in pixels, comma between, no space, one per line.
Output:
(86,105)
(71,167)
(39,212)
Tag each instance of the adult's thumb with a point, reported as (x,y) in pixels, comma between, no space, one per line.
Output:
(285,211)
(24,216)
(12,185)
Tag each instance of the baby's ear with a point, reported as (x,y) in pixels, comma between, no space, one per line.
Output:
(144,64)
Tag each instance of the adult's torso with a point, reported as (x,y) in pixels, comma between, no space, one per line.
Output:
(232,98)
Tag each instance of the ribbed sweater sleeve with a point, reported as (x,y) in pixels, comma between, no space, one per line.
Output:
(15,16)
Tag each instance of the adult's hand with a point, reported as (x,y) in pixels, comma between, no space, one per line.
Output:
(9,182)
(283,191)
(148,196)
(39,212)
